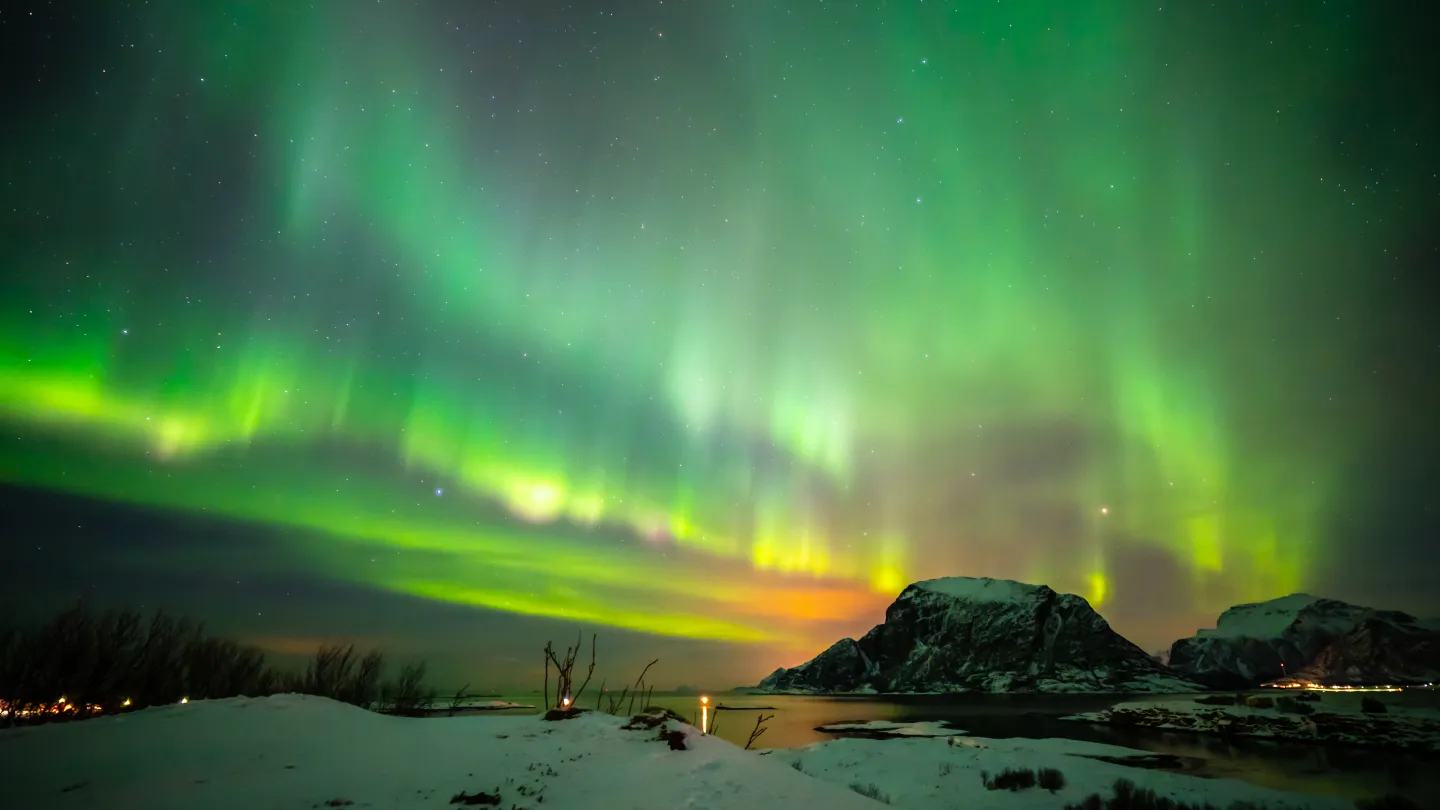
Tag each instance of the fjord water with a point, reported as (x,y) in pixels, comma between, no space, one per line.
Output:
(1322,770)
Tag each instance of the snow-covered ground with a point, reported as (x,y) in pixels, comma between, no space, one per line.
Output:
(300,752)
(292,751)
(940,774)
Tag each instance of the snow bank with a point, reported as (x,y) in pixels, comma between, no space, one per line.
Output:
(979,589)
(300,752)
(933,774)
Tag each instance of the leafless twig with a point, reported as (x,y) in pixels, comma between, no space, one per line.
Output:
(640,684)
(759,729)
(589,673)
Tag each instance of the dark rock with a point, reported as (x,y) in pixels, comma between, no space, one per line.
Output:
(960,634)
(564,714)
(479,797)
(651,718)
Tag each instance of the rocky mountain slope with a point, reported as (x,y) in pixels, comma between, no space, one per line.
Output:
(1310,638)
(961,634)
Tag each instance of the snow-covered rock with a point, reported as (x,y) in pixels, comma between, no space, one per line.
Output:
(1310,638)
(961,634)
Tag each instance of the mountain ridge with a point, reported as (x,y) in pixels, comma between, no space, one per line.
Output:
(973,634)
(1309,638)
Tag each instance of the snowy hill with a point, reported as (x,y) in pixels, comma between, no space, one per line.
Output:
(1303,636)
(300,752)
(962,634)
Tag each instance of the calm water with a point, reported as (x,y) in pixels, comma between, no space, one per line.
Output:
(1314,769)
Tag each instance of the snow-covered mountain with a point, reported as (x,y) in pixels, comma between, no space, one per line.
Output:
(1310,638)
(989,635)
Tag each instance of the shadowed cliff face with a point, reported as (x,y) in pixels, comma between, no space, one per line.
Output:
(1033,639)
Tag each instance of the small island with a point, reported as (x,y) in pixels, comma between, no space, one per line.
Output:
(1348,718)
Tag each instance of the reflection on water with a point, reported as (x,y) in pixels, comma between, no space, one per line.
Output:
(1315,769)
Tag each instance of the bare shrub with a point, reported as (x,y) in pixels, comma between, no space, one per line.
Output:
(339,673)
(632,691)
(1126,796)
(407,695)
(479,797)
(219,667)
(1011,779)
(564,672)
(116,660)
(871,790)
(759,729)
(457,698)
(1050,779)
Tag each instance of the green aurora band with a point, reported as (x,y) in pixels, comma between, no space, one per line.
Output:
(717,322)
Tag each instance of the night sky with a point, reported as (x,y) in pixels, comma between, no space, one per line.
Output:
(455,326)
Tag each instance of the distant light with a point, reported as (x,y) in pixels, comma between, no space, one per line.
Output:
(62,698)
(1104,510)
(126,703)
(185,700)
(704,699)
(565,702)
(439,492)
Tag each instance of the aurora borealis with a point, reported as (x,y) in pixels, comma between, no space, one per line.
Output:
(726,321)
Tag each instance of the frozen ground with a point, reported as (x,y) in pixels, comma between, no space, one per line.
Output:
(941,774)
(301,752)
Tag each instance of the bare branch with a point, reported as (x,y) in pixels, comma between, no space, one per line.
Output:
(588,674)
(760,729)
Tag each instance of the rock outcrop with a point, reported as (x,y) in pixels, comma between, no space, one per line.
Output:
(961,635)
(1308,638)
